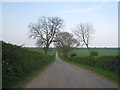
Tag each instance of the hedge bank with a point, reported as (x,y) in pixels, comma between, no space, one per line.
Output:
(18,63)
(108,63)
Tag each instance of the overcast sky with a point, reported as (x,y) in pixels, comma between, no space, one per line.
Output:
(103,15)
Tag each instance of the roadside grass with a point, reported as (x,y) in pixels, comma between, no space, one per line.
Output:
(108,75)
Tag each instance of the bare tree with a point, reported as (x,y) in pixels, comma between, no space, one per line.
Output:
(45,31)
(65,41)
(84,32)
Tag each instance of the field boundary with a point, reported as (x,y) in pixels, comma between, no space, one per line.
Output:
(103,74)
(31,77)
(21,64)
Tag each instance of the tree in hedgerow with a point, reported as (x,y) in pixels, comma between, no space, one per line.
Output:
(84,33)
(65,41)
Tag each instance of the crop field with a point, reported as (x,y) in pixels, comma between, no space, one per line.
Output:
(82,51)
(51,51)
(101,51)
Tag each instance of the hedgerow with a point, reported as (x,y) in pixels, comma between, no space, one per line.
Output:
(108,63)
(18,63)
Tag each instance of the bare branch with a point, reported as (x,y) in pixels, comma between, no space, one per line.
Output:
(46,29)
(84,32)
(65,41)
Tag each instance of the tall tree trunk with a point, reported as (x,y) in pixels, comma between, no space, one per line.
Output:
(46,49)
(88,48)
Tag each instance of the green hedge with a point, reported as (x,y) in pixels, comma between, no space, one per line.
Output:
(108,63)
(18,63)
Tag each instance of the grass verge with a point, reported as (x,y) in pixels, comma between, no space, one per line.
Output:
(108,75)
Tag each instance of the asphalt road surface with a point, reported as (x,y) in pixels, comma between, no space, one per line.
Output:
(64,75)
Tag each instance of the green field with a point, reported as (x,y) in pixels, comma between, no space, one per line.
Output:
(82,51)
(51,51)
(101,51)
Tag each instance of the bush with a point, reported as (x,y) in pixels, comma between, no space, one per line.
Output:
(19,63)
(73,55)
(93,53)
